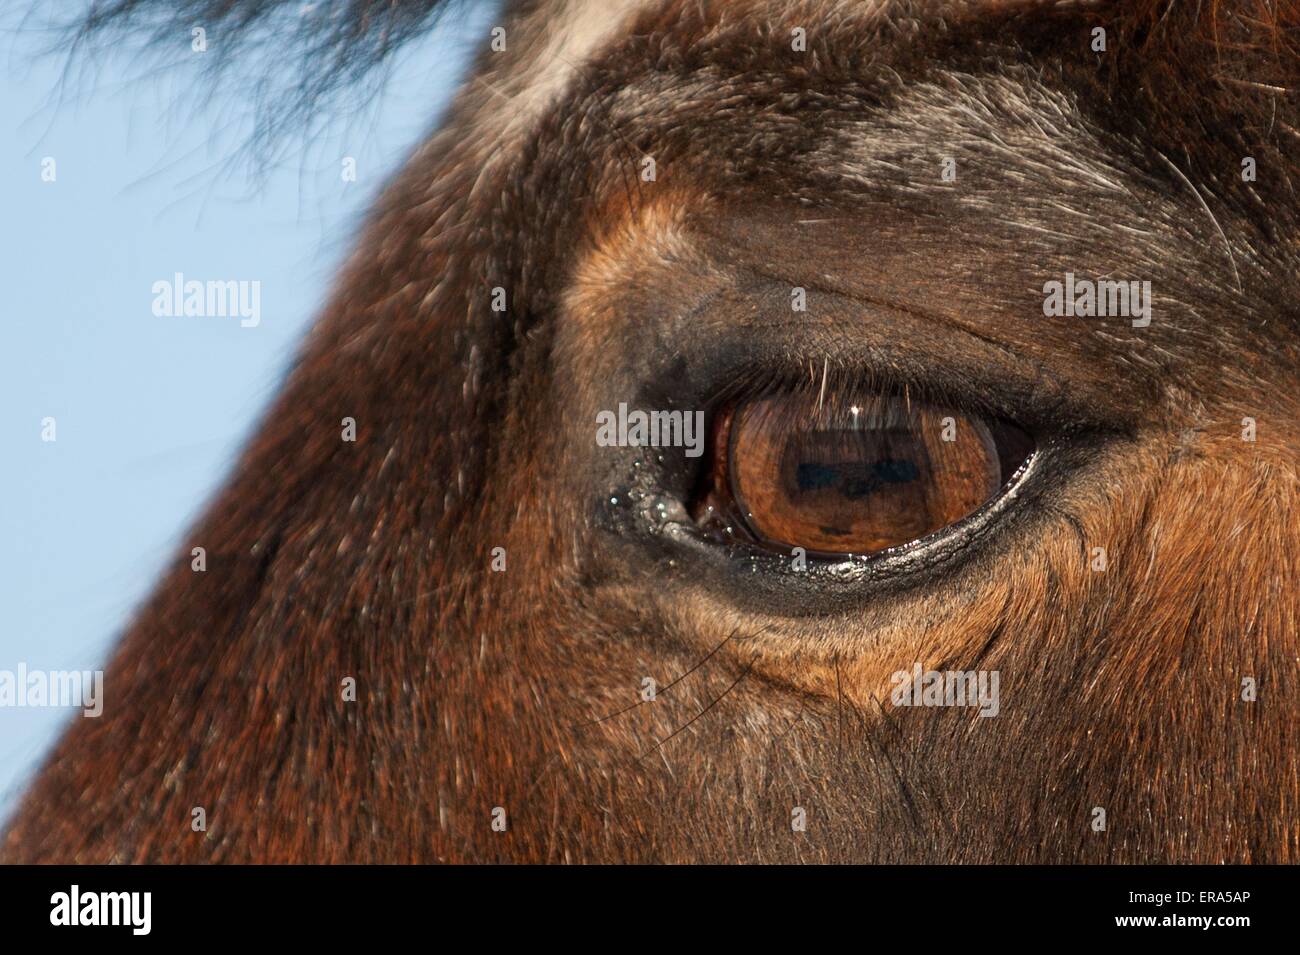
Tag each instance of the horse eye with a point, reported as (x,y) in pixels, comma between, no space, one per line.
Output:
(843,476)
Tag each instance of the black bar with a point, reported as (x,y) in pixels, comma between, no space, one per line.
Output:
(332,904)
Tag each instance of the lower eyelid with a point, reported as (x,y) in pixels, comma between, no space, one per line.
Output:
(763,584)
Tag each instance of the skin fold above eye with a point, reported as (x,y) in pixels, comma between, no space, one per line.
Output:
(853,473)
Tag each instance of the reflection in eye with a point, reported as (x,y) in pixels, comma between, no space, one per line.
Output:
(855,474)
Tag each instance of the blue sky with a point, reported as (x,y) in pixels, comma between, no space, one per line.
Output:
(152,177)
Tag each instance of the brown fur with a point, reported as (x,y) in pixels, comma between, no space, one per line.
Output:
(1120,689)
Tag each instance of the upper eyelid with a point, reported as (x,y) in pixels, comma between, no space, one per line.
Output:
(740,309)
(724,361)
(913,320)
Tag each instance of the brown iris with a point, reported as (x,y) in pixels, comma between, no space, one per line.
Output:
(846,475)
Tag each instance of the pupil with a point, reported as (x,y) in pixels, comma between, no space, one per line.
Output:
(861,485)
(854,479)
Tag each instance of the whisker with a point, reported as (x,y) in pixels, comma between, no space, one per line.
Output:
(668,686)
(716,700)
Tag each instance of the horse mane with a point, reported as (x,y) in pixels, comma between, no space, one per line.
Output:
(292,57)
(296,56)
